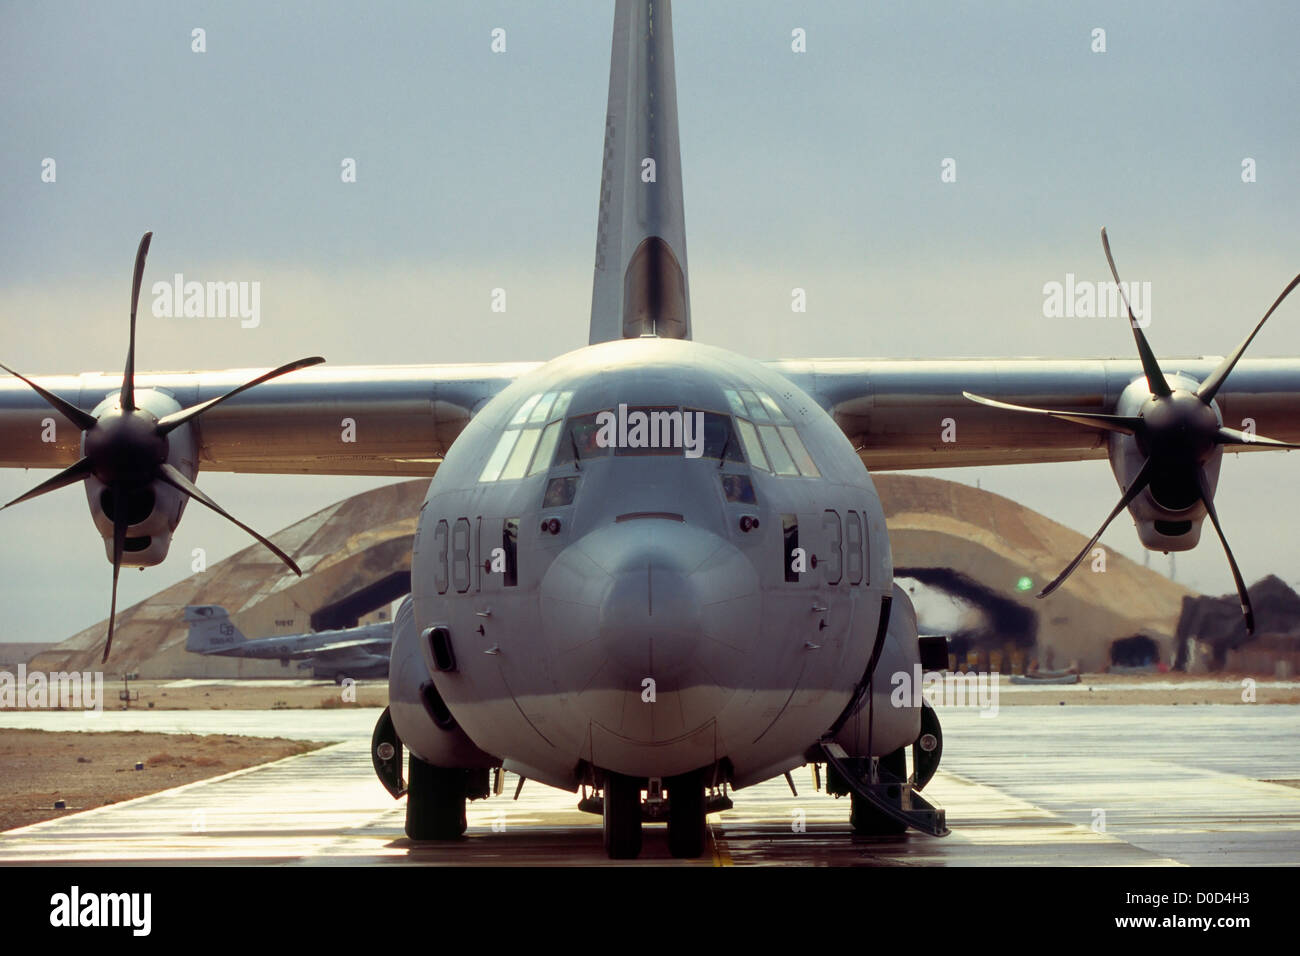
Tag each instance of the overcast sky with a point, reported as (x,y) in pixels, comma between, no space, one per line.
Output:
(478,170)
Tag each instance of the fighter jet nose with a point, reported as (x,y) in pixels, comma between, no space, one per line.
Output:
(651,599)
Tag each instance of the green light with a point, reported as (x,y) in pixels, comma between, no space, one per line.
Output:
(1024,584)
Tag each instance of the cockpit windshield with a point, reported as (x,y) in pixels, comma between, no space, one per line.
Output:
(645,430)
(757,432)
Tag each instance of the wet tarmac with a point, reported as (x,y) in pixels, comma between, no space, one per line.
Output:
(1085,786)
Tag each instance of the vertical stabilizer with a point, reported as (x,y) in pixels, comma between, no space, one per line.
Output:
(211,631)
(640,284)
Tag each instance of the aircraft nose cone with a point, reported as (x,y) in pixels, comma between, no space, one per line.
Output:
(656,599)
(651,614)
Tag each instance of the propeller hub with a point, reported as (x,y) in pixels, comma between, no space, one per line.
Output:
(125,447)
(1178,429)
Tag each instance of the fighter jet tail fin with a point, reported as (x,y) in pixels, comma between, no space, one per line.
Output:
(211,630)
(640,285)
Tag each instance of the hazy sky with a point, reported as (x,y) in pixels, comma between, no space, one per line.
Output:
(479,170)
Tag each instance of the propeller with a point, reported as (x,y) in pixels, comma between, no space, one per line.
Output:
(1177,430)
(126,447)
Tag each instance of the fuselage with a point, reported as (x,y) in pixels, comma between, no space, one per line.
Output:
(650,611)
(299,646)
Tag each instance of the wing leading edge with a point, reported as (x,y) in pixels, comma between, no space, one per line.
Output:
(898,413)
(903,414)
(329,420)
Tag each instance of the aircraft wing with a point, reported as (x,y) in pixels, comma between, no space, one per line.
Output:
(898,413)
(376,644)
(403,417)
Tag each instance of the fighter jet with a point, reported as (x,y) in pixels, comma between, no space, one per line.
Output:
(652,571)
(331,655)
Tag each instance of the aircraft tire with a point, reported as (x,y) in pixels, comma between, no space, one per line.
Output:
(865,819)
(435,802)
(622,817)
(687,830)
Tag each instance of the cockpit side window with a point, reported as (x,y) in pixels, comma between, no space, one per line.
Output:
(803,461)
(497,460)
(577,441)
(782,463)
(738,488)
(773,409)
(528,439)
(546,447)
(753,449)
(721,443)
(521,455)
(560,491)
(771,443)
(757,411)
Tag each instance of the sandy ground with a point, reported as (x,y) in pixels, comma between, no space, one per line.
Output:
(88,770)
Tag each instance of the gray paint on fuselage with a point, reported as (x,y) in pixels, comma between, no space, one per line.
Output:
(546,687)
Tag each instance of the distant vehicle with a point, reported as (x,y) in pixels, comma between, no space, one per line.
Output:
(332,655)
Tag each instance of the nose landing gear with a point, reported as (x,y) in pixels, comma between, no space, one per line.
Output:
(685,811)
(687,831)
(622,816)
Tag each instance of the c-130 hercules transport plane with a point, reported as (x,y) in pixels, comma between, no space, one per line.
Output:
(652,566)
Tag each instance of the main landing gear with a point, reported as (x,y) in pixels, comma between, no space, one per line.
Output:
(885,800)
(435,801)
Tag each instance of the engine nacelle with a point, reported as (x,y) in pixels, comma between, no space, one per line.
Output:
(1168,514)
(153,509)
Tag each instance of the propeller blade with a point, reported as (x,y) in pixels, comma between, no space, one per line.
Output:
(1212,384)
(128,376)
(119,545)
(1155,378)
(1140,482)
(67,476)
(176,419)
(1207,498)
(83,420)
(1110,423)
(1230,436)
(177,480)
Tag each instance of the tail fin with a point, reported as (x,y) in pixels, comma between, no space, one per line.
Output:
(211,631)
(640,285)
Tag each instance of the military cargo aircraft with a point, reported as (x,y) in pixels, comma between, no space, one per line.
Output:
(332,655)
(650,570)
